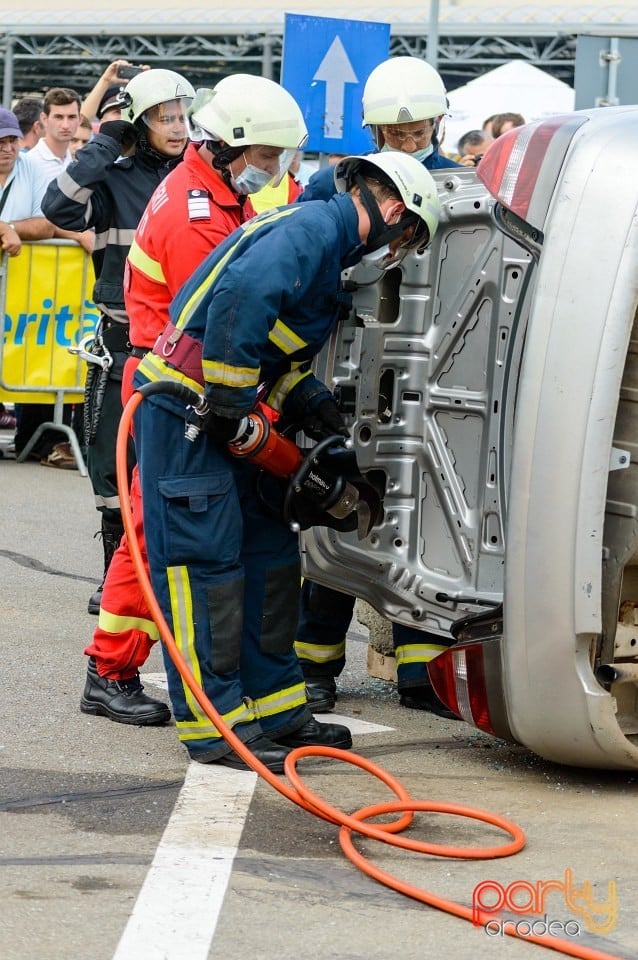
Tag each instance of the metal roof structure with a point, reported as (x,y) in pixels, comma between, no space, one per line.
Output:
(44,46)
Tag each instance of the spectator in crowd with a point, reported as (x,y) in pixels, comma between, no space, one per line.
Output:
(488,123)
(502,122)
(82,136)
(471,147)
(107,192)
(28,111)
(60,118)
(21,191)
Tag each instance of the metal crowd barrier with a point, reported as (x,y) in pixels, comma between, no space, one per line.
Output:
(45,296)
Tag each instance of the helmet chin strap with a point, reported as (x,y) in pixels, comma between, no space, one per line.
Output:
(222,158)
(380,232)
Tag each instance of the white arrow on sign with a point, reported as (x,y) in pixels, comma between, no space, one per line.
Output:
(335,70)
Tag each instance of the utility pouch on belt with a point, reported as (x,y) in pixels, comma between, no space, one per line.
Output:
(181,352)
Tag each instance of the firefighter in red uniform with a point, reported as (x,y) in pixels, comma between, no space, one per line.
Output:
(199,204)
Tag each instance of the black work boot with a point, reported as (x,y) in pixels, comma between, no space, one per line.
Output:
(321,693)
(424,698)
(111,534)
(315,734)
(121,700)
(271,754)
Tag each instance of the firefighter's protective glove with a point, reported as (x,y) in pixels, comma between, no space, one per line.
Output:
(223,429)
(324,421)
(122,131)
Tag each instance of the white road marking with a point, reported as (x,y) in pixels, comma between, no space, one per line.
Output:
(176,912)
(355,725)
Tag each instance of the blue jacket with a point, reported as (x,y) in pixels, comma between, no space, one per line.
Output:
(321,185)
(263,303)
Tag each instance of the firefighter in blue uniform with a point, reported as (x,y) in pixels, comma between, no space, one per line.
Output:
(404,104)
(225,570)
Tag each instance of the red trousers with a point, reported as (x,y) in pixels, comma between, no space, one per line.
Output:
(125,632)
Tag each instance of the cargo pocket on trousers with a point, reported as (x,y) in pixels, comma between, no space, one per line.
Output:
(201,520)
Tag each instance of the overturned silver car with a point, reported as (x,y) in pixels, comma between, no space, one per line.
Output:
(492,386)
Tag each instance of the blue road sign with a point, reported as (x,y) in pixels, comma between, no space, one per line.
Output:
(325,65)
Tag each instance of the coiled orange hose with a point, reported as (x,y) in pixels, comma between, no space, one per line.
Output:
(298,793)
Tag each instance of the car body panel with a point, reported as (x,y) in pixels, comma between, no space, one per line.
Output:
(425,364)
(584,305)
(492,386)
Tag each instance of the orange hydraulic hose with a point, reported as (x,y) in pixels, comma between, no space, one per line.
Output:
(299,794)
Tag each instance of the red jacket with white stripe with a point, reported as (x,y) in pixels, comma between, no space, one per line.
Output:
(189,214)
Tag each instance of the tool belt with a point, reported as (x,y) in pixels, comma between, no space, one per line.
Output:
(181,352)
(110,347)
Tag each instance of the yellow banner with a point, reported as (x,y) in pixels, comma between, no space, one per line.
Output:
(47,309)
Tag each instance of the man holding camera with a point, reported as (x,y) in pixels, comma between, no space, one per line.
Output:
(107,191)
(472,146)
(100,103)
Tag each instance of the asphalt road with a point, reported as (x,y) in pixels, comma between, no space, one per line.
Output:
(113,846)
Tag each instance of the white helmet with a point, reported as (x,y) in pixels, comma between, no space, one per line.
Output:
(401,90)
(150,88)
(413,183)
(244,110)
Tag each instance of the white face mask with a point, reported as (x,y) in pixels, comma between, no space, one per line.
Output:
(251,179)
(419,155)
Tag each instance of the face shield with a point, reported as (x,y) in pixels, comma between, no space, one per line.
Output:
(259,166)
(169,119)
(273,161)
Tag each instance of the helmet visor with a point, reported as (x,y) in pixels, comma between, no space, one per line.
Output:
(415,233)
(273,159)
(169,119)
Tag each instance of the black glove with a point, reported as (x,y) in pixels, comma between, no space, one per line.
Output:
(122,131)
(324,421)
(220,428)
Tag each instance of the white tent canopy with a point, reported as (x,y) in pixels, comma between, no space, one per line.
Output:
(516,87)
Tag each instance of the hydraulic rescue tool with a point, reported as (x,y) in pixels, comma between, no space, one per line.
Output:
(325,487)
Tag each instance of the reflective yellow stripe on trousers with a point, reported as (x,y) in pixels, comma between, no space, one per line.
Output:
(182,608)
(418,653)
(279,702)
(318,653)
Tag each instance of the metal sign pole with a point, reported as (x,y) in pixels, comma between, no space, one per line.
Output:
(433,35)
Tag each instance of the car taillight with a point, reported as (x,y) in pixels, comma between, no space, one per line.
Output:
(458,678)
(512,165)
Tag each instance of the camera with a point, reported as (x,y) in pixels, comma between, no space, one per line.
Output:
(127,73)
(478,159)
